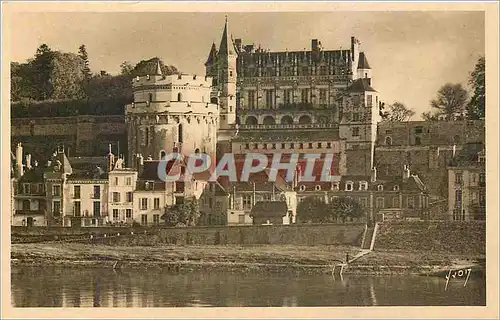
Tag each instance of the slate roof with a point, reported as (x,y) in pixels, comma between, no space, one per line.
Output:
(363,62)
(361,85)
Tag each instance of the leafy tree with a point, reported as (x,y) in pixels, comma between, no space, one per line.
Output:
(450,101)
(344,208)
(146,67)
(42,67)
(21,85)
(67,76)
(126,68)
(398,112)
(183,214)
(428,116)
(475,108)
(312,209)
(82,53)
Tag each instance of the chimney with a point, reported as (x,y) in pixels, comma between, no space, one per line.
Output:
(28,161)
(374,174)
(19,159)
(454,150)
(110,160)
(314,44)
(406,172)
(139,164)
(237,44)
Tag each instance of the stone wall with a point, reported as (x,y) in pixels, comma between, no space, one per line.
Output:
(297,234)
(454,237)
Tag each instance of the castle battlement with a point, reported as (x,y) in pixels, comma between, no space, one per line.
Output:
(180,81)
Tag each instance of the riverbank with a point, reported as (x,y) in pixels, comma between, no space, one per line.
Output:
(267,258)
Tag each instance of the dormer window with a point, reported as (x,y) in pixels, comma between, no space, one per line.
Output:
(317,188)
(335,186)
(148,185)
(363,186)
(396,188)
(349,186)
(148,77)
(380,187)
(302,188)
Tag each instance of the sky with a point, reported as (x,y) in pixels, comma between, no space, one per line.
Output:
(412,53)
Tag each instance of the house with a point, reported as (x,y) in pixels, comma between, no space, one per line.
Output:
(467,184)
(271,212)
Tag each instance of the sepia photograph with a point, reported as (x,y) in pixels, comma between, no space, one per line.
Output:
(227,157)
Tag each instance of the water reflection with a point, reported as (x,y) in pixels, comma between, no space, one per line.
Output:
(56,287)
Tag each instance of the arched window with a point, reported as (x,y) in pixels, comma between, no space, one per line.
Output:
(305,119)
(214,100)
(163,154)
(268,120)
(302,188)
(380,187)
(251,120)
(388,141)
(317,188)
(180,137)
(286,120)
(179,96)
(197,151)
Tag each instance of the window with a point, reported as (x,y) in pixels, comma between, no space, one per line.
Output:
(362,202)
(26,188)
(180,137)
(388,141)
(305,71)
(287,96)
(251,99)
(355,116)
(335,186)
(256,146)
(355,132)
(97,209)
(328,145)
(128,213)
(179,186)
(410,202)
(116,181)
(380,187)
(419,130)
(56,208)
(305,95)
(283,146)
(56,190)
(76,192)
(26,205)
(144,219)
(458,177)
(292,146)
(320,145)
(317,188)
(156,219)
(150,97)
(77,210)
(144,203)
(302,188)
(380,202)
(388,131)
(269,98)
(348,186)
(417,141)
(156,203)
(369,101)
(115,214)
(97,192)
(247,202)
(363,185)
(396,188)
(310,145)
(322,95)
(323,70)
(301,145)
(230,73)
(128,196)
(395,202)
(247,146)
(116,197)
(273,146)
(179,96)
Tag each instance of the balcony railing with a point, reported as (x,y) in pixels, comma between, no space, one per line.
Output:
(288,126)
(31,212)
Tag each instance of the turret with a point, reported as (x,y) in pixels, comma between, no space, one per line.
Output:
(226,60)
(364,70)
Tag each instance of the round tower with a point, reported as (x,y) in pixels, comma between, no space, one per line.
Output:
(171,114)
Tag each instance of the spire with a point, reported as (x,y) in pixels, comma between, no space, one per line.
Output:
(212,55)
(226,46)
(158,68)
(363,63)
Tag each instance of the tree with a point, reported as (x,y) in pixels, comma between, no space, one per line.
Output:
(313,209)
(67,77)
(450,101)
(183,214)
(42,67)
(475,108)
(398,112)
(82,53)
(428,116)
(344,207)
(126,68)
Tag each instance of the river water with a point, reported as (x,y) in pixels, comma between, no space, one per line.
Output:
(67,287)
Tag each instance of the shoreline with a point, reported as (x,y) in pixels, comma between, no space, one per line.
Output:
(270,259)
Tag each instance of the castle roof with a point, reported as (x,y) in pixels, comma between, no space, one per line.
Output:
(361,85)
(363,62)
(226,45)
(212,55)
